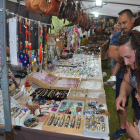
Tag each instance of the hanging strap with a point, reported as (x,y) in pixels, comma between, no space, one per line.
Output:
(26,42)
(40,43)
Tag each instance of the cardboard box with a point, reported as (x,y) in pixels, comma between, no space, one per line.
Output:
(75,98)
(62,87)
(99,98)
(96,80)
(63,129)
(39,82)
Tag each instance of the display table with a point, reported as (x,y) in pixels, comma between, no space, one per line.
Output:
(31,134)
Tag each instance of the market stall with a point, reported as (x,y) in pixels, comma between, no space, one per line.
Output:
(55,86)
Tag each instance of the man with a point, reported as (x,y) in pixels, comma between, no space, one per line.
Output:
(126,21)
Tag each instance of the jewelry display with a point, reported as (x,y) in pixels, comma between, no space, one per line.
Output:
(71,107)
(51,119)
(64,123)
(67,121)
(91,84)
(73,122)
(78,123)
(44,77)
(63,82)
(96,125)
(96,94)
(40,95)
(32,122)
(77,94)
(55,122)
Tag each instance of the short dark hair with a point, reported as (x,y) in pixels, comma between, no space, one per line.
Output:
(84,36)
(128,11)
(137,22)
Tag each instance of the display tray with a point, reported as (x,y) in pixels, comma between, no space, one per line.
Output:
(94,84)
(43,79)
(23,100)
(49,94)
(97,95)
(96,125)
(63,129)
(65,83)
(71,107)
(77,94)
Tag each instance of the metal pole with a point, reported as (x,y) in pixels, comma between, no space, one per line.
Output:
(4,79)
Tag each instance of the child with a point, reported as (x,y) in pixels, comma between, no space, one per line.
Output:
(84,40)
(134,131)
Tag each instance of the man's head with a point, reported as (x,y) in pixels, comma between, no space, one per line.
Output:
(112,29)
(126,20)
(116,27)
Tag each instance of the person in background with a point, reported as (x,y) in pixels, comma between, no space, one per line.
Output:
(112,61)
(84,40)
(126,21)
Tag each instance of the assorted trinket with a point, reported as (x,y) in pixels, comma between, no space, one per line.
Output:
(94,107)
(71,107)
(77,94)
(95,123)
(91,84)
(96,94)
(40,95)
(32,122)
(66,121)
(44,77)
(64,82)
(96,126)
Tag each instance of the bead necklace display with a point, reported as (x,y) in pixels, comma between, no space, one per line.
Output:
(41,94)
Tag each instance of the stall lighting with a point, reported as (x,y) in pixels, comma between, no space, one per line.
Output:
(96,14)
(98,3)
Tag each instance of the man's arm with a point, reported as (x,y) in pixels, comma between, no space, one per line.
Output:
(113,53)
(113,49)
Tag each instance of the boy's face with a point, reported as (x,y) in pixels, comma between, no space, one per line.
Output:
(138,95)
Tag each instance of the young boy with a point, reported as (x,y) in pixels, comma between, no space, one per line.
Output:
(134,131)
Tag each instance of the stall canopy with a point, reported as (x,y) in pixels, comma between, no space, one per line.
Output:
(111,7)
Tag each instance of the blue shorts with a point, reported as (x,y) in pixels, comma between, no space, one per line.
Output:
(136,107)
(113,62)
